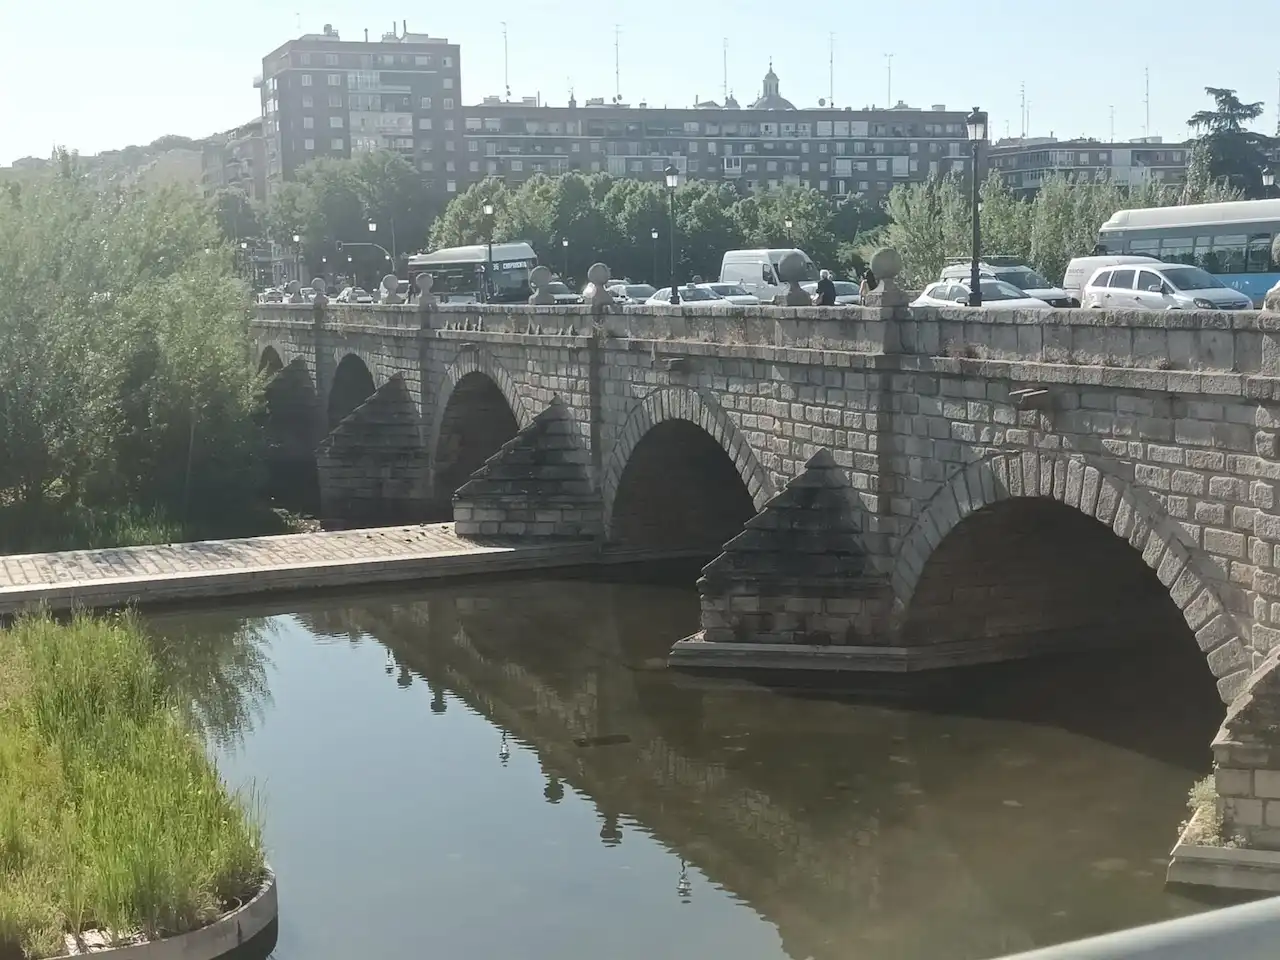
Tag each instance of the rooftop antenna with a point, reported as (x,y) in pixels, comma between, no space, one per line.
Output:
(831,70)
(1024,109)
(298,18)
(725,57)
(1278,105)
(1146,127)
(888,57)
(617,64)
(506,63)
(1113,123)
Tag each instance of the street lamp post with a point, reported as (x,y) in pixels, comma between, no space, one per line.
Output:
(976,126)
(392,256)
(488,264)
(654,236)
(564,244)
(1268,180)
(244,259)
(297,257)
(788,223)
(673,181)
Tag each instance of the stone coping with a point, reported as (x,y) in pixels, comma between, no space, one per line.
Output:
(219,938)
(1227,868)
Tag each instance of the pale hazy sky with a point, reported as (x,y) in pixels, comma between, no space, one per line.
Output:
(92,75)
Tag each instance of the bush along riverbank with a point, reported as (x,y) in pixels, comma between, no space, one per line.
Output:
(113,819)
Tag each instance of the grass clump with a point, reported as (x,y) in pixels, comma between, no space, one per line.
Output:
(1204,827)
(112,815)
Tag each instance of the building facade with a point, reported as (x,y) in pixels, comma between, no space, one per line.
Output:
(1025,163)
(237,159)
(323,96)
(767,145)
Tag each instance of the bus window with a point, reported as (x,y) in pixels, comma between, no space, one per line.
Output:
(1230,250)
(1204,253)
(1259,254)
(1176,250)
(1147,248)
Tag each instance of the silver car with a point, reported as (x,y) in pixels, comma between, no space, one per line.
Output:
(1160,286)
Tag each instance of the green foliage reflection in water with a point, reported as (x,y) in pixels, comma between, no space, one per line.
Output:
(112,816)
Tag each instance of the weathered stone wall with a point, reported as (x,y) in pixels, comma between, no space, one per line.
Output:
(1158,427)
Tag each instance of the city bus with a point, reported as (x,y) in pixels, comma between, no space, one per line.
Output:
(1232,241)
(458,273)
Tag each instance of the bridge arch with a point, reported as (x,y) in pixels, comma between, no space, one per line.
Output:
(1083,536)
(681,473)
(290,428)
(352,385)
(477,409)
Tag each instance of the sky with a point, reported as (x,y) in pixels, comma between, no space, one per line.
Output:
(101,76)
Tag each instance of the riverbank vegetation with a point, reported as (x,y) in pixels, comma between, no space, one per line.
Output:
(127,395)
(112,816)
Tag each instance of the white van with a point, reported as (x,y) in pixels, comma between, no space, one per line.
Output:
(757,270)
(1080,269)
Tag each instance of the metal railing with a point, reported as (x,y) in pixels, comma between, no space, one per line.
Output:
(1247,932)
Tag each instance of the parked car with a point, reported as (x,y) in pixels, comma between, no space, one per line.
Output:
(995,294)
(562,293)
(757,270)
(631,292)
(847,294)
(735,293)
(1011,271)
(1160,286)
(308,294)
(1080,269)
(354,295)
(688,294)
(271,295)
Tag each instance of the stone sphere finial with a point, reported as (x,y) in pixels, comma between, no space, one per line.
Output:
(294,289)
(792,271)
(321,288)
(423,282)
(596,293)
(390,289)
(539,277)
(886,263)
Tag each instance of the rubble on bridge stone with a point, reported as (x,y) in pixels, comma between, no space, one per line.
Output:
(1246,755)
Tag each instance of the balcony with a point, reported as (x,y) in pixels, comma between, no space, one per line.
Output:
(257,81)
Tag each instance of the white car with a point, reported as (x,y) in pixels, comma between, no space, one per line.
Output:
(1010,271)
(626,293)
(1160,286)
(995,294)
(688,294)
(354,295)
(735,293)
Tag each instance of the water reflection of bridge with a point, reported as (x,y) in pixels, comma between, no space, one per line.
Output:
(831,822)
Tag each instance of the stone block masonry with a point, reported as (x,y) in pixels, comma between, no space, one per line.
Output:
(1155,432)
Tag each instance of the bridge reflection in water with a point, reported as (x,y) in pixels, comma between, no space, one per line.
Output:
(1025,805)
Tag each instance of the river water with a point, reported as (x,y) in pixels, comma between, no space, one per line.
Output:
(506,770)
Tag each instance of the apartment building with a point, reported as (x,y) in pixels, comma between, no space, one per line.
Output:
(237,158)
(769,144)
(323,96)
(1025,163)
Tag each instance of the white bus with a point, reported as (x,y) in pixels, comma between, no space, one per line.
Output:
(458,274)
(1232,241)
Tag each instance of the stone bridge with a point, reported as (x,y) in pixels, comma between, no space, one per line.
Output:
(883,488)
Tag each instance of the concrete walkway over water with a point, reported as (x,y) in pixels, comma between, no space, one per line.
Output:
(215,568)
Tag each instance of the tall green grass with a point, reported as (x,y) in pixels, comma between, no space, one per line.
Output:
(112,815)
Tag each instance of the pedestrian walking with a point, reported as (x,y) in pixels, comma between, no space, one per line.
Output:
(868,283)
(825,294)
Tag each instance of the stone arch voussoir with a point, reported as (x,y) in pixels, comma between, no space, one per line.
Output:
(475,360)
(1087,486)
(700,409)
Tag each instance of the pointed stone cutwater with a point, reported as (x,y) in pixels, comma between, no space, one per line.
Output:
(538,485)
(795,575)
(373,466)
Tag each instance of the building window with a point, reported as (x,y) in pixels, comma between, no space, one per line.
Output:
(824,185)
(425,103)
(422,61)
(448,83)
(451,186)
(491,166)
(426,166)
(335,99)
(517,166)
(306,79)
(451,145)
(450,166)
(335,79)
(772,166)
(335,123)
(308,123)
(304,59)
(474,166)
(448,103)
(330,59)
(307,102)
(424,123)
(338,143)
(473,146)
(447,62)
(308,144)
(448,123)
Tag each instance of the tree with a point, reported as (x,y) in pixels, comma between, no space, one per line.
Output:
(1234,153)
(236,215)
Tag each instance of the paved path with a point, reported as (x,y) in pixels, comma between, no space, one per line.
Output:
(212,568)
